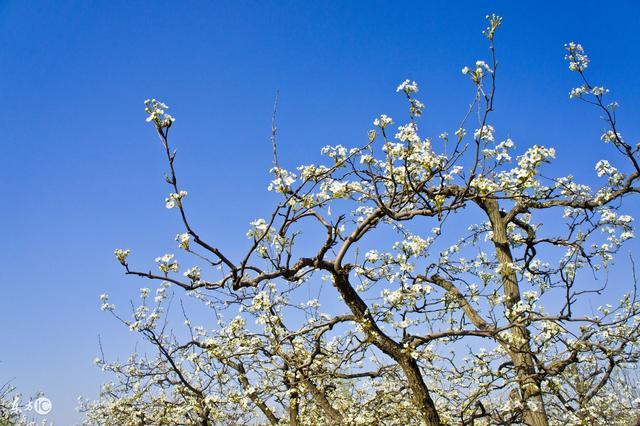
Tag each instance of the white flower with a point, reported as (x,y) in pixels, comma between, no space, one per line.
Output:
(603,167)
(106,306)
(494,22)
(484,134)
(193,274)
(157,114)
(183,240)
(611,136)
(366,159)
(626,235)
(165,263)
(121,255)
(313,303)
(160,294)
(283,181)
(405,323)
(408,133)
(530,295)
(166,258)
(578,92)
(174,199)
(478,72)
(259,226)
(382,121)
(337,152)
(372,256)
(578,61)
(599,91)
(407,87)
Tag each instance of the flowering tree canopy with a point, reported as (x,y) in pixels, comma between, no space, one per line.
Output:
(477,314)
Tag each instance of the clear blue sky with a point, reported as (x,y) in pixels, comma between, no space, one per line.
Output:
(82,172)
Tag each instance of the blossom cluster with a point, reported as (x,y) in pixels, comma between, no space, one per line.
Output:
(157,113)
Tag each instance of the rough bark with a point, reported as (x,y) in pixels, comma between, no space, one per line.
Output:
(521,356)
(331,413)
(420,393)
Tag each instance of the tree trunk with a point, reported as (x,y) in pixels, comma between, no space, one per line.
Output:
(322,401)
(521,356)
(293,408)
(419,391)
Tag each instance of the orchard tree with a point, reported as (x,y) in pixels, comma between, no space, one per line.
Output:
(474,310)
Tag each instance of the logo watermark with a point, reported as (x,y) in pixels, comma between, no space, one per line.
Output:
(41,405)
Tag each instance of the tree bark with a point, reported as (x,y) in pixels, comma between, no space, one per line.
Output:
(321,400)
(419,391)
(294,396)
(521,356)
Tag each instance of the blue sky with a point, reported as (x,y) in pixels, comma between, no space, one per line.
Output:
(82,172)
